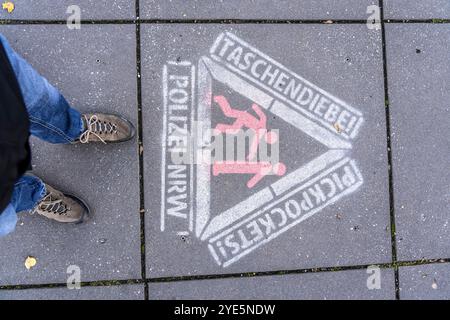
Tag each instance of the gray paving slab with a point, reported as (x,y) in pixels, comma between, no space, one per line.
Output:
(339,285)
(342,59)
(417,9)
(425,282)
(122,292)
(255,9)
(95,68)
(419,91)
(57,10)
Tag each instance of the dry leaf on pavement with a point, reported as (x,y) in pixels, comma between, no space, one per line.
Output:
(30,262)
(8,6)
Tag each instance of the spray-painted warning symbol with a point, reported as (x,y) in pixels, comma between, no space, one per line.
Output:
(296,194)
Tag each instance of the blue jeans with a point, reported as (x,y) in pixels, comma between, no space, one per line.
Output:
(51,119)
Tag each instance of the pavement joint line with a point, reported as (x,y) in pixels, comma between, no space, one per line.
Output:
(111,283)
(63,22)
(218,21)
(389,155)
(106,283)
(300,271)
(433,21)
(141,153)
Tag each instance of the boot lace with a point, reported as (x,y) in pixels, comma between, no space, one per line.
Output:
(51,205)
(97,128)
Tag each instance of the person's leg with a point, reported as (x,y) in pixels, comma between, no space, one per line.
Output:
(28,192)
(31,193)
(53,120)
(51,117)
(8,221)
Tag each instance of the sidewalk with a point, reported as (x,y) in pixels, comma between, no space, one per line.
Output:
(366,185)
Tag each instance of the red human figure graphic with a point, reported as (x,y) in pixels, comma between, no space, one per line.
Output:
(259,169)
(259,126)
(245,119)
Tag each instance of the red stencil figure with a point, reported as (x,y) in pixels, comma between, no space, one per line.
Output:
(259,126)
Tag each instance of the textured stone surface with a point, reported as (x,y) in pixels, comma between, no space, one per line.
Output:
(327,285)
(342,59)
(123,292)
(95,68)
(251,9)
(419,91)
(425,282)
(417,9)
(57,10)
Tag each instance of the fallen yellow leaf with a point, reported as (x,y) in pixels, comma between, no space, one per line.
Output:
(30,262)
(8,6)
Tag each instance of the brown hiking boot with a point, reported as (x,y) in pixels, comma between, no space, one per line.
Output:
(106,128)
(61,207)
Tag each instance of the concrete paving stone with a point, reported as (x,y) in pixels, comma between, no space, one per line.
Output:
(122,292)
(255,9)
(95,68)
(56,10)
(341,285)
(425,282)
(345,60)
(417,9)
(419,92)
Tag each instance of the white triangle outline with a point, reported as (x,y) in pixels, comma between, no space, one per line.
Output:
(209,69)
